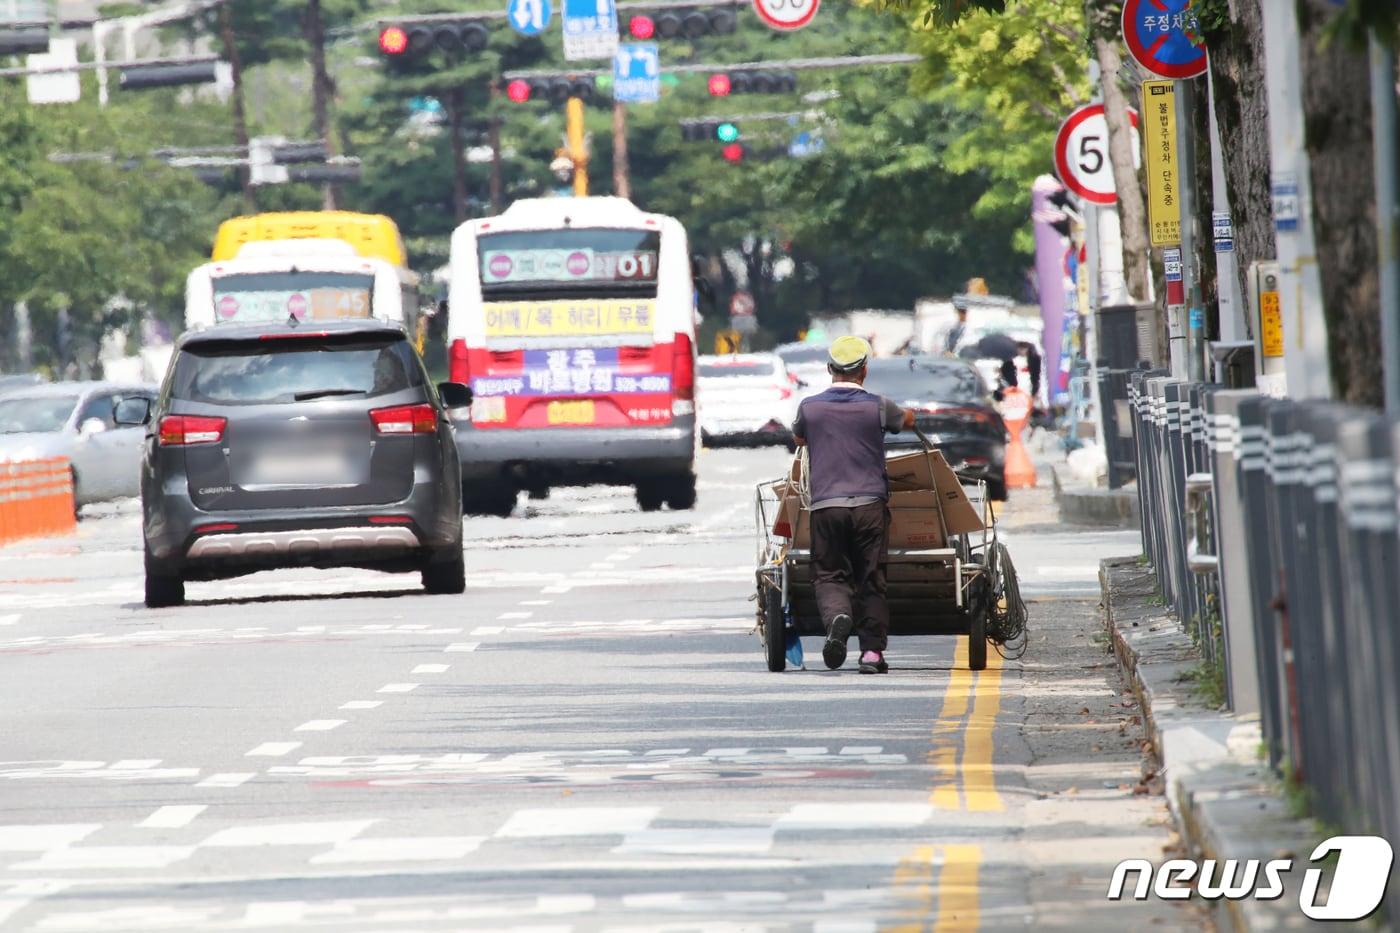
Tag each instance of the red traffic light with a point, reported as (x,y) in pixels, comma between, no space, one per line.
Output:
(518,91)
(719,85)
(393,40)
(641,27)
(734,152)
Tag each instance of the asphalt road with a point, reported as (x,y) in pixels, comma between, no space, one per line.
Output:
(587,739)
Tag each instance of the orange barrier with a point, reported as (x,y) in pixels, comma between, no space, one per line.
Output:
(1016,412)
(36,498)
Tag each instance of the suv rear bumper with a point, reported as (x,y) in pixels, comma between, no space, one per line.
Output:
(575,456)
(307,541)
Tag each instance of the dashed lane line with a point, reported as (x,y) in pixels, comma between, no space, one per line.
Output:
(272,749)
(488,630)
(362,704)
(320,725)
(463,646)
(398,688)
(173,817)
(227,779)
(429,669)
(507,616)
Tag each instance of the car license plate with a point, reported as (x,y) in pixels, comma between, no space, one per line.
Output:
(579,411)
(309,468)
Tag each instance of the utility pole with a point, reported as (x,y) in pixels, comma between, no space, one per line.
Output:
(493,130)
(622,182)
(240,117)
(578,151)
(459,156)
(315,34)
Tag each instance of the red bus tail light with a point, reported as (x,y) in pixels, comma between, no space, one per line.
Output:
(404,419)
(458,367)
(186,430)
(683,369)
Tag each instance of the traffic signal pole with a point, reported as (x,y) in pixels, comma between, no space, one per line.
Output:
(578,151)
(622,180)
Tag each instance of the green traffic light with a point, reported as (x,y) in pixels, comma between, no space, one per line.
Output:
(726,132)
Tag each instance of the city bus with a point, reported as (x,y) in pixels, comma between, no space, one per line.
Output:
(573,322)
(305,265)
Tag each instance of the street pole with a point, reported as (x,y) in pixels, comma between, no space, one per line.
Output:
(1232,313)
(622,182)
(1186,197)
(578,153)
(1383,131)
(494,139)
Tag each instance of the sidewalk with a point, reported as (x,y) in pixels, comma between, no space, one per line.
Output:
(1226,802)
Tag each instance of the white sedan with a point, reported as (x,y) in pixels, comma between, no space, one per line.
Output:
(747,398)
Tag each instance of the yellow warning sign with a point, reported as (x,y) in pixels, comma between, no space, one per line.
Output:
(1270,325)
(728,341)
(1159,161)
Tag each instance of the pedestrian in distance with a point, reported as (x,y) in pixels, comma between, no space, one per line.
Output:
(842,430)
(953,336)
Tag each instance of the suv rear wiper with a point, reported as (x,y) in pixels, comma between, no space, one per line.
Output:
(322,393)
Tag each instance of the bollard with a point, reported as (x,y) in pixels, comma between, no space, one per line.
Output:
(1232,544)
(1251,459)
(1283,525)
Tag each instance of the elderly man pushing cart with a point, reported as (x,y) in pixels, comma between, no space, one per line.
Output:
(842,429)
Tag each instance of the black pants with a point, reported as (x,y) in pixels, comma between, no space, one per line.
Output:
(849,550)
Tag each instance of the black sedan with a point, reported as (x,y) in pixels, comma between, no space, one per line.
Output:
(952,409)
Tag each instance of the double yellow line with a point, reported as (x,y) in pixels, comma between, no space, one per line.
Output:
(964,780)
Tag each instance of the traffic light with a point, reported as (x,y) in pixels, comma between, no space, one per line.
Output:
(411,40)
(1061,200)
(684,23)
(174,74)
(727,132)
(23,41)
(555,89)
(705,131)
(734,152)
(722,84)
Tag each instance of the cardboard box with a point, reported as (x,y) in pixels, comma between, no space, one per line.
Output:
(920,483)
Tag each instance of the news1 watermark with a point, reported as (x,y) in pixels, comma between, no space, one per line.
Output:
(1358,879)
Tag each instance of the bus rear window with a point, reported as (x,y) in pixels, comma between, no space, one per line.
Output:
(569,257)
(275,296)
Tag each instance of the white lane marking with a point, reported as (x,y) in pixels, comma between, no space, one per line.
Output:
(331,832)
(513,615)
(488,630)
(109,857)
(273,749)
(577,821)
(463,646)
(312,629)
(37,837)
(429,669)
(854,815)
(536,602)
(557,589)
(23,893)
(745,840)
(319,725)
(173,817)
(227,779)
(10,619)
(861,749)
(362,704)
(414,849)
(398,688)
(134,764)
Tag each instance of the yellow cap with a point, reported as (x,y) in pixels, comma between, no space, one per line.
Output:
(849,353)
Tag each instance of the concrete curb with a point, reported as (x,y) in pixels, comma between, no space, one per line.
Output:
(1226,803)
(1085,505)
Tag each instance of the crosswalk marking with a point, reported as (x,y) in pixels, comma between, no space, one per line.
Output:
(39,837)
(282,834)
(173,817)
(578,821)
(272,749)
(227,779)
(407,849)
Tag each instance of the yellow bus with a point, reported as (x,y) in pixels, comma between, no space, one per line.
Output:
(374,236)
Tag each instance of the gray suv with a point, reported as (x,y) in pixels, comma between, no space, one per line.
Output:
(318,445)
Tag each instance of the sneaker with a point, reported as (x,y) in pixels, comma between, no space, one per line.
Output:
(873,662)
(834,651)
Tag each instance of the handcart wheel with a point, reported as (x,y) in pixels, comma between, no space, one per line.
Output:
(977,639)
(774,632)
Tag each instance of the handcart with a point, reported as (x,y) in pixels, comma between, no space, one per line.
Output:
(965,586)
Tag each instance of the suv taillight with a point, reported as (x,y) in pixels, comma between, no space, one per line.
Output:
(458,369)
(683,369)
(185,430)
(404,419)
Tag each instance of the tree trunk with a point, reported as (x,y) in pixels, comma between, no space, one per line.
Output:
(240,116)
(459,156)
(1242,115)
(622,182)
(321,88)
(1337,124)
(1132,212)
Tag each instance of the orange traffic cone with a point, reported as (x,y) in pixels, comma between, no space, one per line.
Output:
(1016,412)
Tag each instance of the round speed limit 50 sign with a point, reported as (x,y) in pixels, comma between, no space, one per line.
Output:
(1081,154)
(786,14)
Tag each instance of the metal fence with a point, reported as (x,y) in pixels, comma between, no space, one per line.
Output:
(1272,527)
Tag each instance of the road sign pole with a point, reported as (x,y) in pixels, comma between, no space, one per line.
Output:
(1190,270)
(578,153)
(622,182)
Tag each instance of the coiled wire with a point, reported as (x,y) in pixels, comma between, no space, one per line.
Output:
(1006,622)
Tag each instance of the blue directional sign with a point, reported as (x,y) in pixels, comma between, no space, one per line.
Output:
(637,73)
(1165,37)
(805,144)
(529,17)
(590,29)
